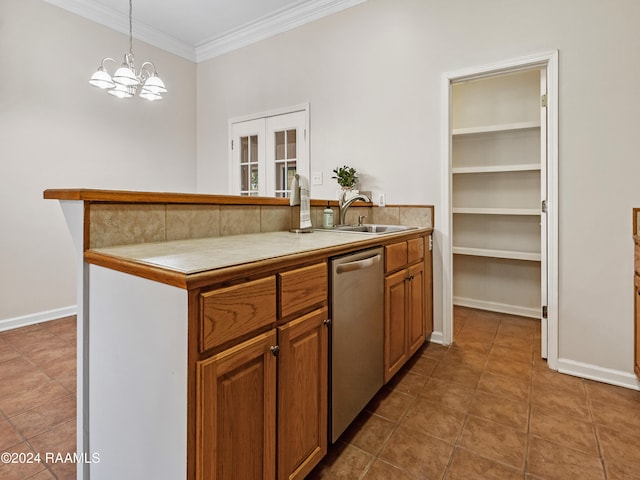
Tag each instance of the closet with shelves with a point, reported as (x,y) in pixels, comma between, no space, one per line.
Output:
(498,171)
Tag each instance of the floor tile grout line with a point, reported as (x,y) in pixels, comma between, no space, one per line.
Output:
(594,428)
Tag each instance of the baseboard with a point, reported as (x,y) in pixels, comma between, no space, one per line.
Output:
(436,337)
(497,307)
(39,317)
(600,374)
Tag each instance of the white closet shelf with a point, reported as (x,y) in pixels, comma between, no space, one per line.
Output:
(497,211)
(505,127)
(486,252)
(522,167)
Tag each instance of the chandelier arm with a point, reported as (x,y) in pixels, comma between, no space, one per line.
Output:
(108,58)
(144,69)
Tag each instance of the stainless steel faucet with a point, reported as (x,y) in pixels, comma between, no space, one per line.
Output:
(345,204)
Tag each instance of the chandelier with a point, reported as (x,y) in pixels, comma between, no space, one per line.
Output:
(126,81)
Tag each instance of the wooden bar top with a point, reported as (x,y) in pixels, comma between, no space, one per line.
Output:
(128,196)
(125,196)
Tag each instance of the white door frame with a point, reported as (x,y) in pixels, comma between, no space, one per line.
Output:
(549,60)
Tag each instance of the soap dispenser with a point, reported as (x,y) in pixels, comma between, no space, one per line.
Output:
(327,221)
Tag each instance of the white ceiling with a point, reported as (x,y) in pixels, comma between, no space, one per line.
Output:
(202,29)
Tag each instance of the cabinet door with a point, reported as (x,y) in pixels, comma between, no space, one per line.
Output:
(302,394)
(636,365)
(395,319)
(235,412)
(416,308)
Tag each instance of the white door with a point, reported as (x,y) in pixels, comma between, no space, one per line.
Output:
(544,327)
(267,151)
(286,153)
(248,158)
(547,64)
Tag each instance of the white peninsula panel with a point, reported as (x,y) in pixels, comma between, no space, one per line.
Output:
(138,377)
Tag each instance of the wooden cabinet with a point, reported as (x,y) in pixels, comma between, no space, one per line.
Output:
(302,394)
(636,301)
(636,328)
(498,183)
(261,405)
(407,302)
(227,314)
(235,420)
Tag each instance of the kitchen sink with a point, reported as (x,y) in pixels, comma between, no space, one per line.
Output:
(369,228)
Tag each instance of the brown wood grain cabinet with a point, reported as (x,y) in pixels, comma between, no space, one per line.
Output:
(636,306)
(235,414)
(261,405)
(636,356)
(407,313)
(302,394)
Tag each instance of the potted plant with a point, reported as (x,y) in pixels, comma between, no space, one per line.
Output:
(345,176)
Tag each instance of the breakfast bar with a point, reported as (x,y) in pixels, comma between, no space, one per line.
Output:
(203,354)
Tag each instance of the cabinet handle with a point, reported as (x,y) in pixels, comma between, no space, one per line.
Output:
(327,322)
(409,278)
(275,350)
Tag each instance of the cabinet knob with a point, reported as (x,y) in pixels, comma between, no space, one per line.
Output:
(327,322)
(275,350)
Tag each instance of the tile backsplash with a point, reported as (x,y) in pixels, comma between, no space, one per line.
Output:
(113,224)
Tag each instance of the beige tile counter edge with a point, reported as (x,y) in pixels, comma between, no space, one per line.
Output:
(204,254)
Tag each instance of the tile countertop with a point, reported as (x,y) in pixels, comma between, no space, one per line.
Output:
(205,254)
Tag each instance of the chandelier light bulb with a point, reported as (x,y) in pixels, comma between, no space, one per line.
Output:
(101,79)
(154,84)
(147,95)
(127,79)
(122,91)
(125,76)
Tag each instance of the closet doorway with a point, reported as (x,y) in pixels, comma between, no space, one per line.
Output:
(500,163)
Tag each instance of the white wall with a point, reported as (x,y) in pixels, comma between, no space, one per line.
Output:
(57,131)
(372,76)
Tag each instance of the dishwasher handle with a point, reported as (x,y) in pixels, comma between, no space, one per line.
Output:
(358,264)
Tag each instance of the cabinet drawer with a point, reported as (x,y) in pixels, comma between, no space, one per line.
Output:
(229,313)
(395,256)
(415,249)
(302,288)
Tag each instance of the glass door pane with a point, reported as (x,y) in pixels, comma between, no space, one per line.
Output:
(285,161)
(249,179)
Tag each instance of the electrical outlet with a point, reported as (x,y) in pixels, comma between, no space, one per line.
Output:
(316,178)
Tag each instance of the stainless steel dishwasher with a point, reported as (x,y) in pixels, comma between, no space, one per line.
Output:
(357,329)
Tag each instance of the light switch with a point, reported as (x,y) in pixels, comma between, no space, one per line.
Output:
(316,178)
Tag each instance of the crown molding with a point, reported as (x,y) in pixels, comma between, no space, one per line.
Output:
(120,22)
(278,22)
(270,25)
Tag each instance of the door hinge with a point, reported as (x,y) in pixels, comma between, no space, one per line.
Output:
(544,311)
(231,144)
(543,100)
(430,242)
(544,206)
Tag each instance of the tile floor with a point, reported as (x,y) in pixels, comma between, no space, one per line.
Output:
(489,408)
(485,408)
(37,398)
